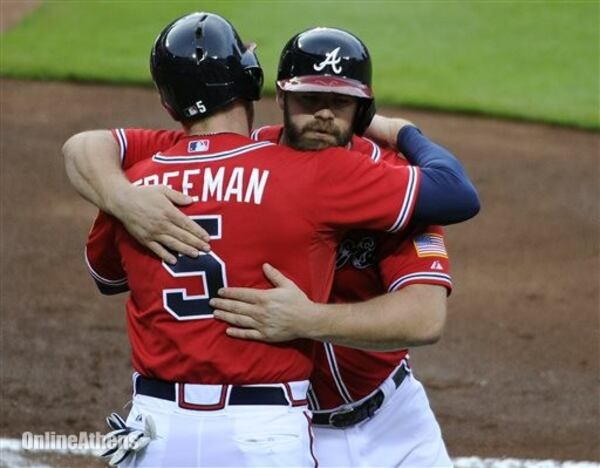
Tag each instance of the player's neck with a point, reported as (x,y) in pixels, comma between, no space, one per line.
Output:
(235,118)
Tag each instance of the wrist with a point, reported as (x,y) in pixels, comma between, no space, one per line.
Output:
(316,321)
(383,131)
(116,192)
(326,321)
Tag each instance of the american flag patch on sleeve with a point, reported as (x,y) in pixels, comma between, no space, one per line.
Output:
(430,245)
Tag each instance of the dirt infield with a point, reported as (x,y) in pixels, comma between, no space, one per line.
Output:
(516,373)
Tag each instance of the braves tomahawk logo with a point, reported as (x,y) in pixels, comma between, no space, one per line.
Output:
(360,253)
(331,58)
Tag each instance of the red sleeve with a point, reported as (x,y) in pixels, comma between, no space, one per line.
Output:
(377,153)
(137,144)
(270,133)
(420,258)
(368,147)
(356,192)
(102,256)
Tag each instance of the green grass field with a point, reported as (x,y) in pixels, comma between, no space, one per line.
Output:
(535,60)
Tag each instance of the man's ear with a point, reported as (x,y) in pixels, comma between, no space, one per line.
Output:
(280,97)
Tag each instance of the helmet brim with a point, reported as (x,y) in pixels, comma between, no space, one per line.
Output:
(326,84)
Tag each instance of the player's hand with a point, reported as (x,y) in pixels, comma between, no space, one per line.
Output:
(384,130)
(272,315)
(150,215)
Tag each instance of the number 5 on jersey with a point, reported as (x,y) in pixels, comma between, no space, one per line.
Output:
(208,267)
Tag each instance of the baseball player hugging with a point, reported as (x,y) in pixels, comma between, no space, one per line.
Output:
(223,343)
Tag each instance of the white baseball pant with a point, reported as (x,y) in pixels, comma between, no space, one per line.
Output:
(236,435)
(402,433)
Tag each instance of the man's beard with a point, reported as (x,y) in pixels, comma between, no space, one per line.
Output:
(296,136)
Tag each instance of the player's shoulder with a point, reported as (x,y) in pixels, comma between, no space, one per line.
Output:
(376,152)
(366,147)
(336,153)
(433,229)
(136,141)
(267,133)
(218,145)
(149,133)
(412,232)
(419,230)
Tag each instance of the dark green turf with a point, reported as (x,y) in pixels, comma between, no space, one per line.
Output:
(532,60)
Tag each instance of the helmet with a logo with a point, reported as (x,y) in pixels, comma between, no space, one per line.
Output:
(329,60)
(199,65)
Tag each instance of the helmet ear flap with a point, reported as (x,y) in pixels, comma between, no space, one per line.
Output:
(364,114)
(252,75)
(252,83)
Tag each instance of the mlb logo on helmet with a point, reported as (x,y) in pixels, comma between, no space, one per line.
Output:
(198,146)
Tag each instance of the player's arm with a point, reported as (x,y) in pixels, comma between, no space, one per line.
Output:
(93,165)
(384,130)
(102,256)
(412,316)
(351,191)
(446,194)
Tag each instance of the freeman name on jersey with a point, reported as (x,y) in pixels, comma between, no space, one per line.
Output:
(225,185)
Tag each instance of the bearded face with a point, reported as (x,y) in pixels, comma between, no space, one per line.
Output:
(315,121)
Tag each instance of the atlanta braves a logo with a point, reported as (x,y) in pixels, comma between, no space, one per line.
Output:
(333,59)
(360,253)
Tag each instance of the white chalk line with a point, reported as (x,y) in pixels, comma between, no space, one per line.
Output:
(477,462)
(12,454)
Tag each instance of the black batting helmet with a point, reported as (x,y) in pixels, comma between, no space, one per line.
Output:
(199,65)
(332,61)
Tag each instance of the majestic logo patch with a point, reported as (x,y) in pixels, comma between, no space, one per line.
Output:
(360,253)
(333,59)
(198,146)
(436,265)
(430,245)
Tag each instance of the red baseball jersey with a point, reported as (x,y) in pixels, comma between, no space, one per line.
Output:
(261,203)
(370,263)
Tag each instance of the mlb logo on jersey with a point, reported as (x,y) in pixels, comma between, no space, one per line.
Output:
(198,146)
(430,245)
